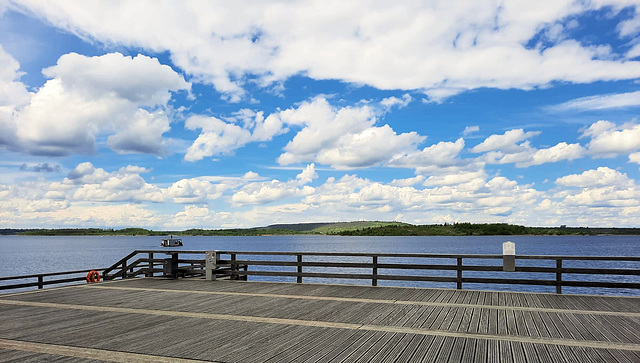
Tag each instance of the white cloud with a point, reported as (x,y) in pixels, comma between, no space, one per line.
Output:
(275,190)
(88,183)
(439,47)
(507,142)
(634,158)
(561,151)
(268,192)
(630,27)
(442,154)
(407,182)
(217,137)
(601,177)
(608,139)
(322,125)
(513,147)
(13,93)
(600,102)
(634,51)
(344,137)
(394,101)
(369,147)
(92,96)
(470,130)
(143,134)
(456,179)
(192,191)
(307,175)
(220,137)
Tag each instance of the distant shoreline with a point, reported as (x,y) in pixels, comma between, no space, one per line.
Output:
(360,228)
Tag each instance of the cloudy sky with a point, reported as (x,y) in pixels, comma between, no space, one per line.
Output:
(182,114)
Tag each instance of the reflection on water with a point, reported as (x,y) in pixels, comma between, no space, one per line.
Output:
(21,255)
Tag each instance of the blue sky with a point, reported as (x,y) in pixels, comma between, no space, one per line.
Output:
(178,115)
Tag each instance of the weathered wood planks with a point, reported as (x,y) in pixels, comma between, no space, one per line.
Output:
(236,321)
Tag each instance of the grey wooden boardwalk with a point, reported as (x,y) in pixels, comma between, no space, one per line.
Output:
(162,320)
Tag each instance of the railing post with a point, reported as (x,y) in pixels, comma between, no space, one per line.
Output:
(559,276)
(459,277)
(40,281)
(299,277)
(374,280)
(149,272)
(234,267)
(509,256)
(124,269)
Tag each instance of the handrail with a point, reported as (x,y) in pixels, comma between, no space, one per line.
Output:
(373,265)
(41,282)
(127,267)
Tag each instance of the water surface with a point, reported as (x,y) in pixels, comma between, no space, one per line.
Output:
(20,255)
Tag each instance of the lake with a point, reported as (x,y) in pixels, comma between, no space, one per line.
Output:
(21,255)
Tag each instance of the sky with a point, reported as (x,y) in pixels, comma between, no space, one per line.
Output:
(222,114)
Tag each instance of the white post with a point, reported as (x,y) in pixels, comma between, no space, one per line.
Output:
(211,261)
(508,256)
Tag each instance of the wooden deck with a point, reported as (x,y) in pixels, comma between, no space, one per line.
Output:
(158,320)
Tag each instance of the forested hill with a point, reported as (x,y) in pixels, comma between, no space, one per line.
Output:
(493,229)
(360,228)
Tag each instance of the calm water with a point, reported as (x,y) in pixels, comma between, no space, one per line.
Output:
(20,255)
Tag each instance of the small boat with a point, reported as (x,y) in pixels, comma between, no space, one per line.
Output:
(171,242)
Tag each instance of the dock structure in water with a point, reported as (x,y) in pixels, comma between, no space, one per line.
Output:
(157,319)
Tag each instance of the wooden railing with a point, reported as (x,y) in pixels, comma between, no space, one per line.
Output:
(147,263)
(556,271)
(455,269)
(138,263)
(40,279)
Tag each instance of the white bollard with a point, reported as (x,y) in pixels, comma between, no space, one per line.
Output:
(508,256)
(211,262)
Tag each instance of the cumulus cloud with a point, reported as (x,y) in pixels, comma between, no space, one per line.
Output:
(603,188)
(93,196)
(514,147)
(601,177)
(275,190)
(217,137)
(442,154)
(87,97)
(507,142)
(221,137)
(397,102)
(87,183)
(439,48)
(343,137)
(600,102)
(13,93)
(307,175)
(609,139)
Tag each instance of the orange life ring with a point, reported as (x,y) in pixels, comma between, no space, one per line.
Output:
(93,276)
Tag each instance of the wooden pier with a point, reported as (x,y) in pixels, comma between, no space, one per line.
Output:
(156,319)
